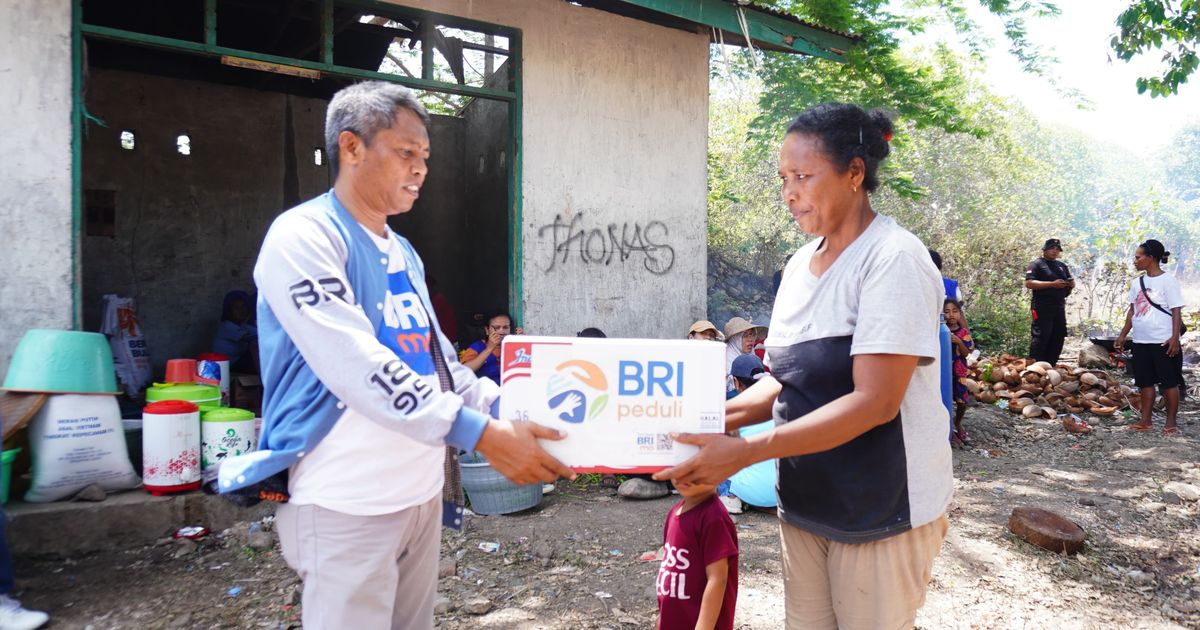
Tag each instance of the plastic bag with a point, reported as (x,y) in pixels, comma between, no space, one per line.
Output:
(124,331)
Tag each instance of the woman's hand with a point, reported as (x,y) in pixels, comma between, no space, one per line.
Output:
(720,456)
(1119,344)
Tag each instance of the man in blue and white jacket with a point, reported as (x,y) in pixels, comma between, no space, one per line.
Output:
(354,411)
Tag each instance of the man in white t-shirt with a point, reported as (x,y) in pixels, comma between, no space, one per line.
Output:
(1154,317)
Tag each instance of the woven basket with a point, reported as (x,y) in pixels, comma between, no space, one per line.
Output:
(492,493)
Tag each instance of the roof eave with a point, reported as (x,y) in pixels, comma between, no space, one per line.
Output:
(765,29)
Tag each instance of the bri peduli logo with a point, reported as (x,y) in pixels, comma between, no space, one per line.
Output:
(577,391)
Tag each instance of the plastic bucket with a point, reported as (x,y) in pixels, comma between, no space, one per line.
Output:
(62,362)
(204,396)
(492,493)
(6,460)
(181,371)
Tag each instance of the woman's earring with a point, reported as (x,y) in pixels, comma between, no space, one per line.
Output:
(854,189)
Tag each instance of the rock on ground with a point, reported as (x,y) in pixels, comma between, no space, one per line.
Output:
(638,488)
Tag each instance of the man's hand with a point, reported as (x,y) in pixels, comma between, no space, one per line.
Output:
(1061,284)
(1172,345)
(512,449)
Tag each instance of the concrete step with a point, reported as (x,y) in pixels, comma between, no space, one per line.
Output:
(123,520)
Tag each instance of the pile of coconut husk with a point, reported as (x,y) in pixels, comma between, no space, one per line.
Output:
(1038,389)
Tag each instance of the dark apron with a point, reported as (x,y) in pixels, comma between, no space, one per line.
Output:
(854,493)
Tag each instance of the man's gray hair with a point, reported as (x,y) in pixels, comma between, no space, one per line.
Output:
(364,109)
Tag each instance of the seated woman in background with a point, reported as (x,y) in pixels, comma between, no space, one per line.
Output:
(483,355)
(237,336)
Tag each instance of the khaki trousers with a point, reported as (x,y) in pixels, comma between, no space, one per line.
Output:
(870,586)
(364,572)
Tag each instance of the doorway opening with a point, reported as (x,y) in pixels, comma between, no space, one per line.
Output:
(199,121)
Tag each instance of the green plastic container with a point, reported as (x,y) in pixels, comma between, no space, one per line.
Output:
(6,460)
(225,432)
(205,397)
(227,414)
(62,362)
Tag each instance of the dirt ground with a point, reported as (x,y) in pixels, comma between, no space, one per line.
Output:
(573,562)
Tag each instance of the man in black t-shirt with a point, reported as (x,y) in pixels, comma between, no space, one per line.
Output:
(1051,283)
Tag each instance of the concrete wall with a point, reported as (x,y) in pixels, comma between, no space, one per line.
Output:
(35,169)
(188,228)
(614,175)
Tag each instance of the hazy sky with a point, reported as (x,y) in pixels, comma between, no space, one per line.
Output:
(1079,38)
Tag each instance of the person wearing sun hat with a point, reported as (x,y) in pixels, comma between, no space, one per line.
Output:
(740,337)
(1050,281)
(703,330)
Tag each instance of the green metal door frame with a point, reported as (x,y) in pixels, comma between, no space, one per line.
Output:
(325,66)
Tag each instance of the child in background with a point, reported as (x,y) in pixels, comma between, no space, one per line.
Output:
(697,580)
(960,337)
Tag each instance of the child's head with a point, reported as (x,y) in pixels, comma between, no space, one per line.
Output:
(693,490)
(952,311)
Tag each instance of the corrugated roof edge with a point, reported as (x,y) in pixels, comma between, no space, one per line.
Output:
(753,6)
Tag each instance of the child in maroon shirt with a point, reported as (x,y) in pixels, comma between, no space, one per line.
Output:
(697,580)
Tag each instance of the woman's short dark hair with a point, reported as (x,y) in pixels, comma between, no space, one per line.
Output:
(494,314)
(1155,250)
(846,132)
(592,332)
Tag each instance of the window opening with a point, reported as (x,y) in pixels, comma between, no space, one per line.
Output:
(128,140)
(100,212)
(183,144)
(318,156)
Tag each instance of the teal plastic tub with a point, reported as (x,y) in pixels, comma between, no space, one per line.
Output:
(62,362)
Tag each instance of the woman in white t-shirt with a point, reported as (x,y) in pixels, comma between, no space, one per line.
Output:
(1154,316)
(865,471)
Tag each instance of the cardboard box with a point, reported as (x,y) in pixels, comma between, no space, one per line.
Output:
(618,400)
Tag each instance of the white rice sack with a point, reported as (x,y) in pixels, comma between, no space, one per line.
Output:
(77,440)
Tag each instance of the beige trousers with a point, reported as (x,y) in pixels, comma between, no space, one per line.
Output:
(364,572)
(870,586)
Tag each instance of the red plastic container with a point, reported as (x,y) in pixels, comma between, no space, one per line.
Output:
(181,371)
(171,447)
